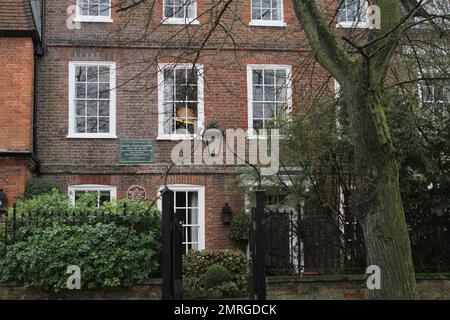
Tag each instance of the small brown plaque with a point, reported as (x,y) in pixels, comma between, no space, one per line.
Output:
(137,193)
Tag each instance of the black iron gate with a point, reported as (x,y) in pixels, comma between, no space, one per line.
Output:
(312,242)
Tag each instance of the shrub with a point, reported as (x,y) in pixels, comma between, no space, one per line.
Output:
(224,290)
(216,275)
(114,244)
(39,185)
(108,256)
(196,263)
(240,228)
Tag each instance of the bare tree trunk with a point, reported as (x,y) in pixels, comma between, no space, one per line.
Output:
(386,237)
(378,201)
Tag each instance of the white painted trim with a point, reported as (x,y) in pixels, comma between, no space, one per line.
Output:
(96,19)
(268,23)
(112,106)
(192,21)
(81,18)
(288,68)
(200,106)
(352,24)
(201,207)
(91,187)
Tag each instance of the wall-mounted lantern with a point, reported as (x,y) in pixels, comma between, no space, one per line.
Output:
(3,200)
(227,214)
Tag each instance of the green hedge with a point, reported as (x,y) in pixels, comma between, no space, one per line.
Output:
(116,244)
(108,256)
(196,264)
(240,228)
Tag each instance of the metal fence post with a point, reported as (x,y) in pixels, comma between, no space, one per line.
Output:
(6,229)
(14,222)
(259,249)
(167,245)
(177,258)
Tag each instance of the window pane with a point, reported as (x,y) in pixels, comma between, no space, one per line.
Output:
(257,77)
(258,110)
(80,74)
(258,93)
(266,4)
(190,13)
(84,7)
(80,108)
(104,74)
(269,77)
(256,14)
(269,93)
(266,14)
(193,199)
(192,94)
(257,124)
(276,14)
(281,77)
(105,196)
(193,234)
(80,90)
(92,90)
(104,91)
(168,11)
(103,125)
(168,114)
(192,216)
(180,76)
(80,124)
(92,74)
(192,75)
(92,125)
(94,8)
(269,110)
(92,108)
(181,91)
(103,108)
(180,199)
(104,8)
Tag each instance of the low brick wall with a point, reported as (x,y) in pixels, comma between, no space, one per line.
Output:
(347,287)
(150,290)
(340,287)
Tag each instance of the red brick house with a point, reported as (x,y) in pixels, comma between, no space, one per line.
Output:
(20,37)
(108,111)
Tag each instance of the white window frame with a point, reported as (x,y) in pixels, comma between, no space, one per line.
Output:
(268,23)
(82,18)
(201,206)
(174,20)
(112,107)
(353,23)
(91,188)
(250,67)
(200,105)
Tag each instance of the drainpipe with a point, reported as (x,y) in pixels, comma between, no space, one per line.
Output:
(40,51)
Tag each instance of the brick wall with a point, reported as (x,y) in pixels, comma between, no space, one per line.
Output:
(219,189)
(137,43)
(14,174)
(434,287)
(16,112)
(16,93)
